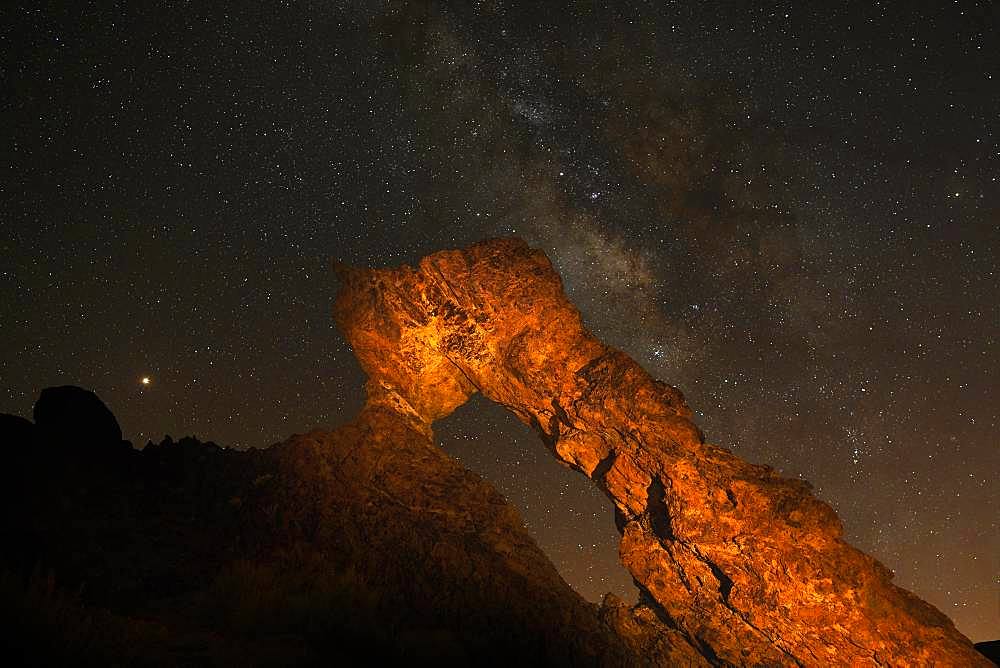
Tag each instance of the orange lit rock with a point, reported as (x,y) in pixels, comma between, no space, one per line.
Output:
(746,566)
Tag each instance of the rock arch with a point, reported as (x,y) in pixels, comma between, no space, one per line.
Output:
(746,566)
(559,507)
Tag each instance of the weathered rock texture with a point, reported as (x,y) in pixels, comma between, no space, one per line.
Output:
(743,566)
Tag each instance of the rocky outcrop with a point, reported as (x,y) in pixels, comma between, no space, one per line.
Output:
(367,545)
(453,553)
(73,414)
(735,564)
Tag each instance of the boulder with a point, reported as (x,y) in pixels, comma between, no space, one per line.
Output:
(71,415)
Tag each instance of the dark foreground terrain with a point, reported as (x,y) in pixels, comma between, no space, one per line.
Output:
(312,551)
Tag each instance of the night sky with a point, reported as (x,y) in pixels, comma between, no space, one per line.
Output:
(789,211)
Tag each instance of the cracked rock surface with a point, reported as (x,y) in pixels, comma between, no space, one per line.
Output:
(735,564)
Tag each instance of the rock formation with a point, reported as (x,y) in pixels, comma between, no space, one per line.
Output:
(72,414)
(735,564)
(990,649)
(366,545)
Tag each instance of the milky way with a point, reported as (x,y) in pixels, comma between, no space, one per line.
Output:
(790,213)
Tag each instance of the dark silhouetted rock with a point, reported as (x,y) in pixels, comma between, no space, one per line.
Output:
(368,545)
(15,433)
(363,546)
(18,447)
(990,649)
(70,414)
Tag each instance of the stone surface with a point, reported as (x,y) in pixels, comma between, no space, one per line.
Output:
(453,553)
(744,566)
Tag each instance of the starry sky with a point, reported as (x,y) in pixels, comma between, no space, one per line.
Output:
(790,210)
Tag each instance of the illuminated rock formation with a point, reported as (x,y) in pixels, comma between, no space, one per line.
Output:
(744,566)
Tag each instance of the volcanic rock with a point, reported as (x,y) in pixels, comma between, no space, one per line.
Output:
(735,564)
